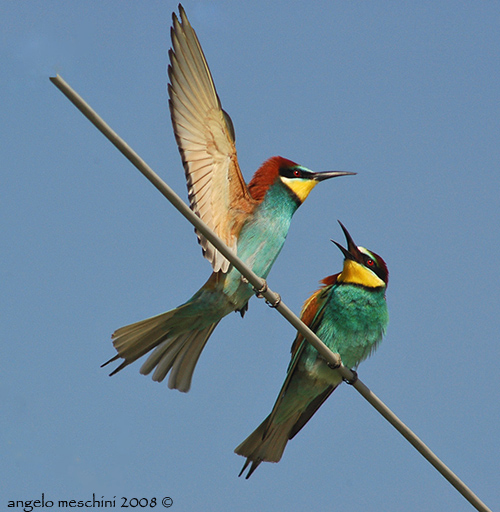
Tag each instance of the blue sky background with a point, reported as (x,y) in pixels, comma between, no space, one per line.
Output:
(404,93)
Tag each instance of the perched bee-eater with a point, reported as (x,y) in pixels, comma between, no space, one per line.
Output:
(349,314)
(252,219)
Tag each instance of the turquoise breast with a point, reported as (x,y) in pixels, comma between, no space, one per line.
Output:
(354,321)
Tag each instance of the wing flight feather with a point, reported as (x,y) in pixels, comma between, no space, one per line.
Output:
(204,133)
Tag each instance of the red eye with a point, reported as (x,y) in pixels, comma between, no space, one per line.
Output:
(370,263)
(296,173)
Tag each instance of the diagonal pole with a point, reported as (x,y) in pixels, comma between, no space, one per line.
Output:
(271,297)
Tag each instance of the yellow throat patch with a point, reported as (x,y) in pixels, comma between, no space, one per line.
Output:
(300,187)
(356,273)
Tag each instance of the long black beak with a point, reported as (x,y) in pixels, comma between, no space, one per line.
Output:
(352,252)
(321,176)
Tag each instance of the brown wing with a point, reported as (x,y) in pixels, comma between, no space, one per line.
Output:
(204,133)
(309,310)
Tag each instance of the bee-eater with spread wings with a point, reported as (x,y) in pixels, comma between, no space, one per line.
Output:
(252,219)
(349,314)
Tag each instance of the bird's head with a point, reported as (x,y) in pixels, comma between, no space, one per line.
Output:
(298,179)
(361,266)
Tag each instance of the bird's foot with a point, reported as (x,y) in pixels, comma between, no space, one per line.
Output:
(276,303)
(334,366)
(260,293)
(354,378)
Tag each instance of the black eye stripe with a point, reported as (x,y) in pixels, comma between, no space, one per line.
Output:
(374,263)
(368,261)
(291,172)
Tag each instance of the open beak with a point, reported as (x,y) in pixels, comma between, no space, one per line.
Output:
(352,252)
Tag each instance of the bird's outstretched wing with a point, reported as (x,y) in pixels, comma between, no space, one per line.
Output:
(205,136)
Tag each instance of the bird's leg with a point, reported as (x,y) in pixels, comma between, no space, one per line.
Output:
(260,293)
(333,366)
(276,303)
(354,378)
(349,381)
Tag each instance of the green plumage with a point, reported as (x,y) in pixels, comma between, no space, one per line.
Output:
(352,323)
(350,318)
(252,220)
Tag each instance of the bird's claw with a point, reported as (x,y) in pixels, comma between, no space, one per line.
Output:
(354,378)
(333,366)
(260,293)
(276,303)
(264,289)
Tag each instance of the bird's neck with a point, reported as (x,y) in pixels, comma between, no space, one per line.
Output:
(280,200)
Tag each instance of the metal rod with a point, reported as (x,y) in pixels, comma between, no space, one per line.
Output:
(270,296)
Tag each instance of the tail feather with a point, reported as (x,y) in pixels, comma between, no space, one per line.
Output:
(183,368)
(177,339)
(135,340)
(266,443)
(296,404)
(253,467)
(162,358)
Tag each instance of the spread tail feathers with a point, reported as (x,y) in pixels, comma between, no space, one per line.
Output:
(177,341)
